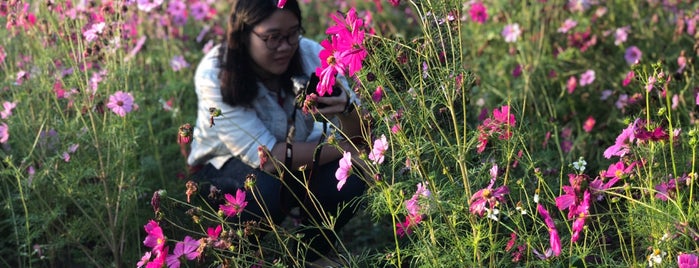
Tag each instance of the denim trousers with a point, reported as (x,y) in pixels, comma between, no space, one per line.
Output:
(277,196)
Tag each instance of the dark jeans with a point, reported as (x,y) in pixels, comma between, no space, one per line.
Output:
(279,197)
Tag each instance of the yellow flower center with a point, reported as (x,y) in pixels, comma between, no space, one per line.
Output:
(486,193)
(331,60)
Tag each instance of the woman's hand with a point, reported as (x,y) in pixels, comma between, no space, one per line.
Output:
(335,105)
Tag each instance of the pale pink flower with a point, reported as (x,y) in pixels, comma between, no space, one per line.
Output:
(178,63)
(120,103)
(344,169)
(94,31)
(199,10)
(511,32)
(621,34)
(587,77)
(4,133)
(567,25)
(377,152)
(148,5)
(7,109)
(234,205)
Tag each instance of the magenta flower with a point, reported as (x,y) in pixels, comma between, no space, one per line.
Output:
(344,169)
(487,196)
(185,250)
(555,240)
(511,32)
(394,3)
(632,55)
(583,210)
(148,5)
(697,99)
(178,63)
(380,147)
(3,54)
(567,25)
(686,260)
(120,103)
(155,238)
(378,94)
(7,109)
(213,233)
(234,205)
(478,13)
(627,80)
(281,3)
(405,227)
(330,66)
(668,189)
(587,78)
(4,133)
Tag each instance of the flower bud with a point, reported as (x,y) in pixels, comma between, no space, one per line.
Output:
(184,135)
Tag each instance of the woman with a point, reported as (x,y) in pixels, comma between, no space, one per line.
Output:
(248,78)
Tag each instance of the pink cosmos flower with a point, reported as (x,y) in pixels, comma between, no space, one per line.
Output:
(622,144)
(621,34)
(213,233)
(686,260)
(650,84)
(378,94)
(234,205)
(589,124)
(155,238)
(350,38)
(487,196)
(633,55)
(144,260)
(394,3)
(344,169)
(511,32)
(148,5)
(667,190)
(330,66)
(583,211)
(405,227)
(555,240)
(4,133)
(617,170)
(120,103)
(572,84)
(627,80)
(587,77)
(186,249)
(571,197)
(478,12)
(94,31)
(7,108)
(199,10)
(379,148)
(567,25)
(281,3)
(178,63)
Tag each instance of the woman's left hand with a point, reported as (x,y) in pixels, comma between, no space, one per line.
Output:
(335,105)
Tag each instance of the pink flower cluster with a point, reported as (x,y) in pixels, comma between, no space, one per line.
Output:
(188,249)
(343,53)
(500,124)
(415,210)
(638,132)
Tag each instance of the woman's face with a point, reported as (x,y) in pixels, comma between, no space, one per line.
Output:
(273,56)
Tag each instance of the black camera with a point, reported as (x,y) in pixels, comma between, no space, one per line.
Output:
(303,86)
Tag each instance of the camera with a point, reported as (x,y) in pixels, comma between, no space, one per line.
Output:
(304,86)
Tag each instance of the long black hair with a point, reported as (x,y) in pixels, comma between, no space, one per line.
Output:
(238,82)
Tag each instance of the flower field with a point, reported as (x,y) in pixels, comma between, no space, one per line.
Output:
(502,133)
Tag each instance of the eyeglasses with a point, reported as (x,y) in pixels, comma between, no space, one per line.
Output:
(274,41)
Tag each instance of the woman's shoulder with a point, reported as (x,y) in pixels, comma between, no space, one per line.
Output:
(309,53)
